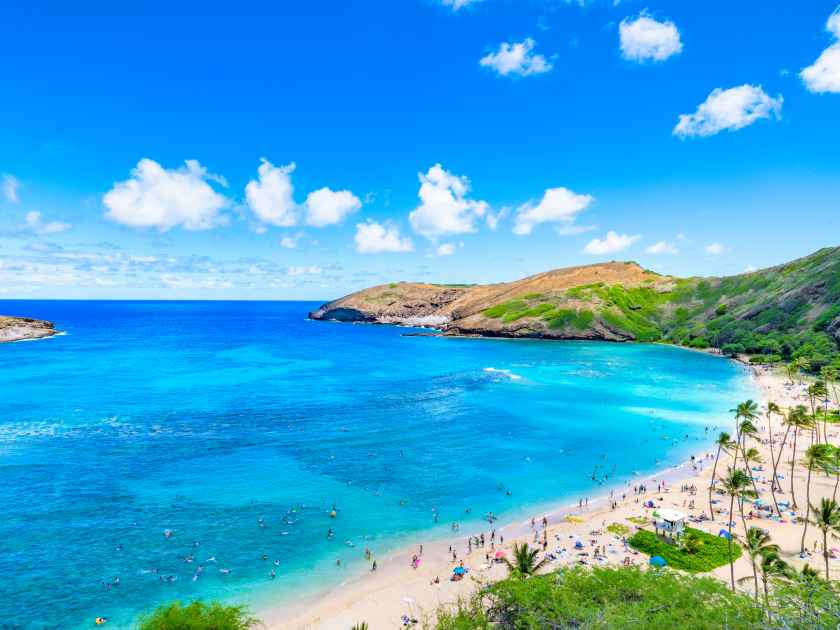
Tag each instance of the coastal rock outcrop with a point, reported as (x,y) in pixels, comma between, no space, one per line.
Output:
(20,328)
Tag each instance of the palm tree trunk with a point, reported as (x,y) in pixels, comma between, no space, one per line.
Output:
(825,553)
(836,482)
(773,464)
(792,464)
(779,458)
(729,540)
(755,578)
(766,597)
(807,509)
(712,484)
(741,511)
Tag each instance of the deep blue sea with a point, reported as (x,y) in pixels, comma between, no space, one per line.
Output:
(204,417)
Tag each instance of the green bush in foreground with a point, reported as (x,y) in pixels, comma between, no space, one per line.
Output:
(606,598)
(199,616)
(700,551)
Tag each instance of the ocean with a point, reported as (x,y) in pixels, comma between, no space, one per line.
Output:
(238,426)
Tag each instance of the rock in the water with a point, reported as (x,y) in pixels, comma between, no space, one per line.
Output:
(20,328)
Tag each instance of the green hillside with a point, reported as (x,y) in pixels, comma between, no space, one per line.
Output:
(779,314)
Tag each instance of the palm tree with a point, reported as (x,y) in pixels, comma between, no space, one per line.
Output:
(772,565)
(724,443)
(736,485)
(524,561)
(752,456)
(829,374)
(745,413)
(799,420)
(362,625)
(791,371)
(758,545)
(816,393)
(814,458)
(801,364)
(827,518)
(773,408)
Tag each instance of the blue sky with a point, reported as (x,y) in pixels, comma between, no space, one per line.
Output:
(304,150)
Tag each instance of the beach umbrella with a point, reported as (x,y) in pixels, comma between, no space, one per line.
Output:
(500,554)
(459,570)
(658,561)
(724,533)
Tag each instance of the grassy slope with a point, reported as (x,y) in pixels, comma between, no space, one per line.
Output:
(784,312)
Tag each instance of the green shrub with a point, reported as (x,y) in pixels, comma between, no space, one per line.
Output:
(624,598)
(199,616)
(712,551)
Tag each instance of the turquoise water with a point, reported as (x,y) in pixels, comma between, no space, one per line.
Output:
(204,417)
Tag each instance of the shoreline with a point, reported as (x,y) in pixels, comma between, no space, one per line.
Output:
(396,589)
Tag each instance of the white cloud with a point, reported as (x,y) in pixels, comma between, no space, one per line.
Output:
(494,218)
(290,241)
(557,205)
(156,197)
(682,237)
(715,249)
(190,282)
(516,58)
(456,5)
(327,207)
(10,188)
(271,197)
(611,244)
(662,247)
(750,269)
(375,238)
(644,38)
(570,229)
(312,270)
(731,109)
(445,249)
(445,208)
(36,225)
(824,74)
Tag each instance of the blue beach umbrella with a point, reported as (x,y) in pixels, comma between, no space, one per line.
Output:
(459,570)
(724,533)
(657,561)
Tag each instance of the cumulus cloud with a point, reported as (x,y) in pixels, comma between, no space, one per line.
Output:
(662,247)
(445,207)
(10,188)
(34,223)
(645,39)
(516,58)
(327,207)
(271,197)
(557,205)
(611,244)
(445,249)
(494,218)
(824,74)
(715,249)
(730,109)
(456,5)
(375,238)
(156,197)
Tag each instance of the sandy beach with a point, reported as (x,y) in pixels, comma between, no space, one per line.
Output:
(397,588)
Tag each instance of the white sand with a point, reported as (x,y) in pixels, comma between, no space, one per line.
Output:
(395,589)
